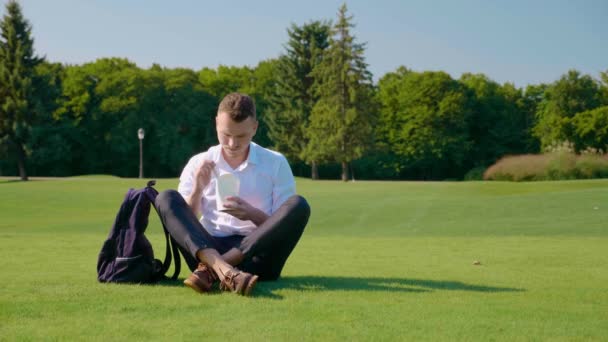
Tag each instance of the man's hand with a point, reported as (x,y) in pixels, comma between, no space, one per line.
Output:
(242,210)
(202,176)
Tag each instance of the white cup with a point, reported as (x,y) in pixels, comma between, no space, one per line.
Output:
(225,186)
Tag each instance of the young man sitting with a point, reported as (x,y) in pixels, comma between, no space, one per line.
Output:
(256,230)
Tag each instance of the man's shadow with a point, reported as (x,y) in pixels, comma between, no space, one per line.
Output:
(11,181)
(267,289)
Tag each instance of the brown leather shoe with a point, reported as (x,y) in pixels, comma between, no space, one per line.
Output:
(238,282)
(201,280)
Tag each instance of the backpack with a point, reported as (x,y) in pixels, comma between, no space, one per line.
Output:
(127,256)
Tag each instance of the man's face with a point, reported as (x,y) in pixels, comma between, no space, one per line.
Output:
(235,136)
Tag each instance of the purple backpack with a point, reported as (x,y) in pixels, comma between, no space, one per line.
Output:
(127,255)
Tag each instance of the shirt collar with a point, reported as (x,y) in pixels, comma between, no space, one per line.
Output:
(218,155)
(252,157)
(253,153)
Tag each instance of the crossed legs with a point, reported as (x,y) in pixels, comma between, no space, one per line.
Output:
(263,252)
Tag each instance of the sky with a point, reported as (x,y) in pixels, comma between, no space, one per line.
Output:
(522,42)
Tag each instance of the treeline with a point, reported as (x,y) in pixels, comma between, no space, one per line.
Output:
(316,103)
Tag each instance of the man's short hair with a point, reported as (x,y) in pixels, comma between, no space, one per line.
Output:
(238,106)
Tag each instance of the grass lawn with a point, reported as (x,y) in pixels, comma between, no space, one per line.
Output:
(378,261)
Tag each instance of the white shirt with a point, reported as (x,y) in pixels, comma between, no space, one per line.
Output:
(266,182)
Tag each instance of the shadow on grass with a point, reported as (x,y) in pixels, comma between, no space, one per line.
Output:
(9,181)
(323,283)
(17,180)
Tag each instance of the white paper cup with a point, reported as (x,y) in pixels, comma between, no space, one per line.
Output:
(226,185)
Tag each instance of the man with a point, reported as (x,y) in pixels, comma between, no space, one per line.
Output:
(256,230)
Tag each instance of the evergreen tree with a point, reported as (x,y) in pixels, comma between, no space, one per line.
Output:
(17,72)
(342,121)
(293,98)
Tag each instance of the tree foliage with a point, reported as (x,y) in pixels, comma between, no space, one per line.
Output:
(571,94)
(17,102)
(424,122)
(499,123)
(292,97)
(340,126)
(591,130)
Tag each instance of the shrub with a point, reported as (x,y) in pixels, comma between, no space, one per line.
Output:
(562,165)
(592,166)
(550,166)
(519,168)
(475,173)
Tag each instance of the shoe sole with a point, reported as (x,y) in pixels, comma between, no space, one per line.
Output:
(193,286)
(250,285)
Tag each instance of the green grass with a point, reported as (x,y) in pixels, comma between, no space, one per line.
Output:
(378,261)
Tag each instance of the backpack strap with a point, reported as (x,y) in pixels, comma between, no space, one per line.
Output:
(168,251)
(170,243)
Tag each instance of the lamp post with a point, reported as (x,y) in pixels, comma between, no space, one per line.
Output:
(140,135)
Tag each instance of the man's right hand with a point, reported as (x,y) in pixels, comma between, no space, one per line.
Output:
(202,176)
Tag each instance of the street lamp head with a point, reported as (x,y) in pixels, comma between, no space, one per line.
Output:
(140,134)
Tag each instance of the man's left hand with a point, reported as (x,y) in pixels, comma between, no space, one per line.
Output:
(242,210)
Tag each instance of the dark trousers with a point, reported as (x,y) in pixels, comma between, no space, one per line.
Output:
(266,249)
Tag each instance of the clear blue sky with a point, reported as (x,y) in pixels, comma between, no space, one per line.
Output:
(523,42)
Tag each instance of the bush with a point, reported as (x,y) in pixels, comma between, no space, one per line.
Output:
(550,166)
(562,165)
(475,173)
(592,166)
(519,168)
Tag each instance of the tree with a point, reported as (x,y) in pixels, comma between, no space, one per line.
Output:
(184,124)
(226,79)
(591,130)
(570,95)
(341,123)
(105,102)
(263,85)
(533,96)
(293,98)
(254,82)
(424,122)
(97,99)
(604,87)
(17,73)
(50,140)
(499,124)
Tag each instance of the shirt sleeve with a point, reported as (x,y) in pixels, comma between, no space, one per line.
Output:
(186,180)
(284,185)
